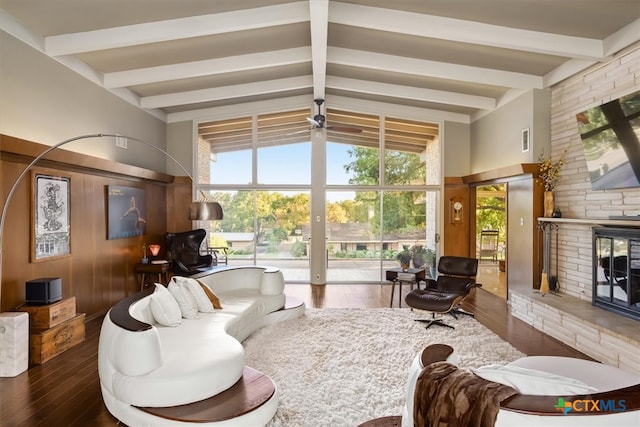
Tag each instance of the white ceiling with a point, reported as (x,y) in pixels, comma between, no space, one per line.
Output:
(178,58)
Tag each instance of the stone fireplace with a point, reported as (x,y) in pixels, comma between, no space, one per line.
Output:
(600,322)
(616,270)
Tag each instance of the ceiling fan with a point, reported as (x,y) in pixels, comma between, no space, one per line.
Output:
(318,121)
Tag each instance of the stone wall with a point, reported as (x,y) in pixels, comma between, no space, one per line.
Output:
(606,337)
(599,84)
(569,316)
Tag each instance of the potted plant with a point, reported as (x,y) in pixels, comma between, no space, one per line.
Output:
(418,255)
(404,256)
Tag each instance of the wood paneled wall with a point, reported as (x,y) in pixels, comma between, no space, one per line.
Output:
(456,233)
(99,272)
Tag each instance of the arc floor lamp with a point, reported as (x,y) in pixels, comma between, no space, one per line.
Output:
(201,210)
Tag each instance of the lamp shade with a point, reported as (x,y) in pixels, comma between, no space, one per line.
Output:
(205,211)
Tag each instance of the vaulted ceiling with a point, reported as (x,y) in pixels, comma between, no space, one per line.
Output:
(178,58)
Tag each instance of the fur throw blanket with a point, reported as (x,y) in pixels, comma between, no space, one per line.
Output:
(446,396)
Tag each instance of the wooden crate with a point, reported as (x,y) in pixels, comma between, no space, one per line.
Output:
(50,315)
(47,344)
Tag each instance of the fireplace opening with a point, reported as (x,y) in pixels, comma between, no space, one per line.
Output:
(616,270)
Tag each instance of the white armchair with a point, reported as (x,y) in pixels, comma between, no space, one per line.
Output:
(614,399)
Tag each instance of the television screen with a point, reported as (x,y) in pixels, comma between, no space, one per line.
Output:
(611,141)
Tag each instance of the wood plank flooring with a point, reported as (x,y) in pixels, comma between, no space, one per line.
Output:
(66,391)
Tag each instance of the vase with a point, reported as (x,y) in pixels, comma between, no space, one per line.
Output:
(418,261)
(548,204)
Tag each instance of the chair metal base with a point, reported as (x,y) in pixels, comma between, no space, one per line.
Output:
(431,322)
(459,311)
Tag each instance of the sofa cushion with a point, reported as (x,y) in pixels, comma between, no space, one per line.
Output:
(534,382)
(199,360)
(203,303)
(189,311)
(165,308)
(215,301)
(249,307)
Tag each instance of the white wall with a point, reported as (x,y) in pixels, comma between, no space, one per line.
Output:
(496,139)
(180,145)
(43,101)
(457,153)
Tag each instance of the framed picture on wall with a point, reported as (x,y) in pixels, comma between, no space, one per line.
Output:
(50,216)
(126,212)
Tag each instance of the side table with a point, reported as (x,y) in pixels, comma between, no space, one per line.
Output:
(161,269)
(412,276)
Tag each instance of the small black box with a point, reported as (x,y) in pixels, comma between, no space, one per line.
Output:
(43,291)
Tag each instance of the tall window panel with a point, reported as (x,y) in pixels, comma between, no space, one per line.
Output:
(236,231)
(225,152)
(284,148)
(411,155)
(353,153)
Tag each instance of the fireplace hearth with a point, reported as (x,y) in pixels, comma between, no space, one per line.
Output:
(616,270)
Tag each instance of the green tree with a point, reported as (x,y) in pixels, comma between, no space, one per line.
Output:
(277,214)
(491,211)
(337,213)
(291,211)
(365,168)
(238,211)
(403,168)
(402,209)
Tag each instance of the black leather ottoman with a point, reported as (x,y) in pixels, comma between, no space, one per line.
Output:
(435,302)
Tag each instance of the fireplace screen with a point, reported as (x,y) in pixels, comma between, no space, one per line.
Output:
(617,270)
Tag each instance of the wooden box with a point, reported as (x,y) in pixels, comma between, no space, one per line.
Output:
(50,315)
(46,344)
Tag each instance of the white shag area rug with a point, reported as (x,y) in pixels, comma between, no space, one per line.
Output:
(342,367)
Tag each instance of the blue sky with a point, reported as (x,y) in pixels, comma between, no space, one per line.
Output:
(283,164)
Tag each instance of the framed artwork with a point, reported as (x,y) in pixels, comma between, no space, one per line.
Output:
(126,212)
(525,140)
(51,222)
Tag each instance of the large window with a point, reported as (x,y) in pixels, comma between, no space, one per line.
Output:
(373,215)
(379,192)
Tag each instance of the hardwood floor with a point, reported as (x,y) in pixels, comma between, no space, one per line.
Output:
(66,391)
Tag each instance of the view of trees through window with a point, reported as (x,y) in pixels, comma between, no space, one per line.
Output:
(491,217)
(369,214)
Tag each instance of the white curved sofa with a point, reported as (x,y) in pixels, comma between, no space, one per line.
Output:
(143,364)
(619,389)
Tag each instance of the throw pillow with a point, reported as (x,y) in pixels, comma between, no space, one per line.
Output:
(164,307)
(180,294)
(202,301)
(531,381)
(215,301)
(192,299)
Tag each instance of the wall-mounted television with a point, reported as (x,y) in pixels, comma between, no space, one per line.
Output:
(611,141)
